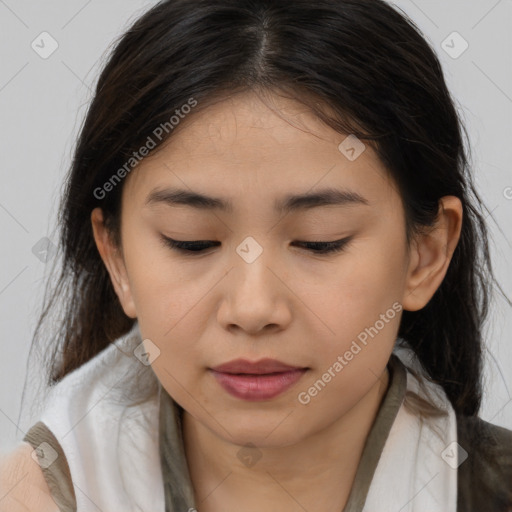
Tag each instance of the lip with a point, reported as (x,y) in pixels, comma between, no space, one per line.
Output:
(260,367)
(256,381)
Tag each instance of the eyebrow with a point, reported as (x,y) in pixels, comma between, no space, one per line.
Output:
(290,203)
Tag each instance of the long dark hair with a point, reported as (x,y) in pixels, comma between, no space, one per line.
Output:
(362,67)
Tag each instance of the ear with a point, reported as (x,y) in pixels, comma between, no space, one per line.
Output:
(431,254)
(114,262)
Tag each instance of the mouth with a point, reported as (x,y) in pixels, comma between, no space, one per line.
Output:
(257,381)
(263,366)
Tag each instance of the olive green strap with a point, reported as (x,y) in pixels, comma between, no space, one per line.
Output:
(54,465)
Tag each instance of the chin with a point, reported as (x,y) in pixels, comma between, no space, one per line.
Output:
(269,431)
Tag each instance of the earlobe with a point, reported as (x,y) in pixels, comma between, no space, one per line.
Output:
(113,261)
(431,254)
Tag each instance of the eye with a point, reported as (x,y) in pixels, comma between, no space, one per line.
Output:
(194,246)
(197,246)
(325,247)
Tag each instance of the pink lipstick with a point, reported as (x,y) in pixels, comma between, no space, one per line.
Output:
(256,381)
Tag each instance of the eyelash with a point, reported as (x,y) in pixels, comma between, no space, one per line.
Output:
(197,246)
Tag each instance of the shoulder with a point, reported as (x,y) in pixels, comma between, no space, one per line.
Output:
(22,483)
(485,474)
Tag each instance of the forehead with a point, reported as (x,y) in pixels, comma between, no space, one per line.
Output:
(247,145)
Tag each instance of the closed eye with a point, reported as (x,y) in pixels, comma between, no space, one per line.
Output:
(197,246)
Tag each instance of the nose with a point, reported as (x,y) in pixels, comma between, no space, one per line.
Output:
(255,299)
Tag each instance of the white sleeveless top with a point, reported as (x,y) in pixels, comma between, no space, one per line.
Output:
(105,415)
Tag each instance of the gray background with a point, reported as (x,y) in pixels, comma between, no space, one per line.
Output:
(43,101)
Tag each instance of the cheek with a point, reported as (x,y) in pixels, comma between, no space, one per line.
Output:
(177,366)
(360,302)
(162,292)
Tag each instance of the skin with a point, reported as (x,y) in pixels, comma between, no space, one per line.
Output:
(289,304)
(23,487)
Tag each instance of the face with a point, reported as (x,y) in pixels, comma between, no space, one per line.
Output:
(258,287)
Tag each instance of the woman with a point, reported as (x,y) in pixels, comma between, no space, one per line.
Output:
(274,255)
